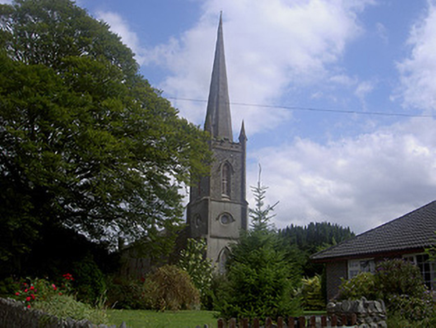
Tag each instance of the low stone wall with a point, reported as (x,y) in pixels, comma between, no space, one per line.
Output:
(369,314)
(14,315)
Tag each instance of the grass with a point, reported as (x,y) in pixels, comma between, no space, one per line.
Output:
(168,319)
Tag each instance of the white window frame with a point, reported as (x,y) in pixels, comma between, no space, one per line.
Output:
(427,268)
(360,265)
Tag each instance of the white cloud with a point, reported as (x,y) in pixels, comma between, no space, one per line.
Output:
(121,27)
(343,79)
(362,90)
(418,85)
(382,32)
(274,44)
(358,182)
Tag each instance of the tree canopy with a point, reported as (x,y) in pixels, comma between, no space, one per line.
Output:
(85,141)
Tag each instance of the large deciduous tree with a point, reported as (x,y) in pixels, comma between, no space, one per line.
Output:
(85,141)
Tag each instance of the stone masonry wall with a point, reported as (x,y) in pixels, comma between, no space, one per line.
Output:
(370,314)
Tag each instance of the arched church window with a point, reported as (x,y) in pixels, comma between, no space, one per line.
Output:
(226,173)
(222,260)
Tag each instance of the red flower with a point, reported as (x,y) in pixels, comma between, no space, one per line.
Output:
(26,290)
(17,293)
(32,288)
(28,298)
(54,286)
(33,296)
(68,276)
(29,306)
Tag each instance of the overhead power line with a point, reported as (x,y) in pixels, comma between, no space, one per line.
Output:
(312,109)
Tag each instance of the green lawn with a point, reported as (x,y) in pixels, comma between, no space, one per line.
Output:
(167,319)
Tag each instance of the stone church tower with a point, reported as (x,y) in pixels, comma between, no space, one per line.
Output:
(217,209)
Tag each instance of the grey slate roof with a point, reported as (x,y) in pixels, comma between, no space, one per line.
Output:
(414,230)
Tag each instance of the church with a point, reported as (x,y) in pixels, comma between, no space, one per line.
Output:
(217,210)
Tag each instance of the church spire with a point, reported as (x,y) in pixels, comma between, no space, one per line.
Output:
(218,120)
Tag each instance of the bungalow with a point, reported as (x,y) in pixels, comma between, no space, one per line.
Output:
(405,237)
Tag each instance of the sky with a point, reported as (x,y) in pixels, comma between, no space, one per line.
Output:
(337,96)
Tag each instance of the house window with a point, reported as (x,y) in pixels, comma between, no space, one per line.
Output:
(361,265)
(427,268)
(225,180)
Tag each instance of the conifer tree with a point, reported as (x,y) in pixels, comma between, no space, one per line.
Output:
(261,214)
(262,270)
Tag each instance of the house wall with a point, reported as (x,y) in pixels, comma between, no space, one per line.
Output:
(335,271)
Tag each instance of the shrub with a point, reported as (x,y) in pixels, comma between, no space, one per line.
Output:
(399,277)
(65,306)
(399,283)
(37,289)
(312,294)
(361,285)
(89,281)
(171,288)
(126,293)
(57,300)
(199,268)
(412,308)
(396,320)
(8,286)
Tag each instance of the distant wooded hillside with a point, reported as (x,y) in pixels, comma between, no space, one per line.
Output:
(313,238)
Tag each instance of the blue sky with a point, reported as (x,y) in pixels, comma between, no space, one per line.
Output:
(337,95)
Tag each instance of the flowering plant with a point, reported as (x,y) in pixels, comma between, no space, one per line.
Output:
(41,289)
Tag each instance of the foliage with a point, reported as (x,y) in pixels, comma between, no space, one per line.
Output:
(66,306)
(261,215)
(171,288)
(313,238)
(400,284)
(56,299)
(312,296)
(399,277)
(262,272)
(260,278)
(414,309)
(8,286)
(396,320)
(126,293)
(199,268)
(41,290)
(58,250)
(363,284)
(316,235)
(219,290)
(89,283)
(404,290)
(85,141)
(167,319)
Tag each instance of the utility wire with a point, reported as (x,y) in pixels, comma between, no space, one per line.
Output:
(312,109)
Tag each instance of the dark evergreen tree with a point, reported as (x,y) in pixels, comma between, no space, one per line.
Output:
(262,270)
(313,238)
